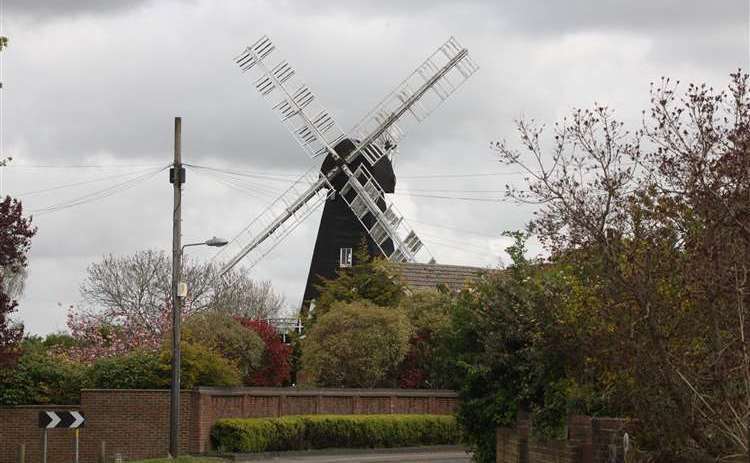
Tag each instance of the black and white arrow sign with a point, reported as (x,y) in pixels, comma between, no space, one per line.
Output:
(61,419)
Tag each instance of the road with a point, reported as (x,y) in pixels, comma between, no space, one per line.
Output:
(406,456)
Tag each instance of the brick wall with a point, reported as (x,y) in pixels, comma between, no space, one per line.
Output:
(217,403)
(20,425)
(135,423)
(589,440)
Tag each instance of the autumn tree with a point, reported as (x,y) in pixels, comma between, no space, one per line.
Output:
(275,363)
(16,232)
(656,223)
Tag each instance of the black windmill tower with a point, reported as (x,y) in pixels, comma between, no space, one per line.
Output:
(356,172)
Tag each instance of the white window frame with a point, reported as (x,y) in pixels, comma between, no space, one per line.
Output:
(345,257)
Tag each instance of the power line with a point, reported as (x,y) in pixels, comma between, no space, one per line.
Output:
(70,185)
(84,166)
(99,194)
(459,198)
(453,229)
(262,175)
(481,174)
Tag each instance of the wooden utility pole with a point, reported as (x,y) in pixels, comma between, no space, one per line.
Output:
(177,178)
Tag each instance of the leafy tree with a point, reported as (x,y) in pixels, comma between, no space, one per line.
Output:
(275,367)
(16,232)
(355,344)
(426,364)
(373,279)
(512,347)
(226,335)
(657,223)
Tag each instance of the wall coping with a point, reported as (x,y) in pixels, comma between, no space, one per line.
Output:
(41,407)
(325,392)
(139,391)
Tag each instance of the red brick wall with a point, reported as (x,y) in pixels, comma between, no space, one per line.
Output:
(589,440)
(20,425)
(216,403)
(135,423)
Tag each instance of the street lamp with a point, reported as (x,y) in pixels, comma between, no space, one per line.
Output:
(180,293)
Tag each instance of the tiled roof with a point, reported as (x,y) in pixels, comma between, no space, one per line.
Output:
(429,276)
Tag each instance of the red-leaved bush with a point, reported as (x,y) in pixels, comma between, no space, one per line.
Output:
(276,369)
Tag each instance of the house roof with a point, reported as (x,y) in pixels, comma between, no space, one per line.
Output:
(429,276)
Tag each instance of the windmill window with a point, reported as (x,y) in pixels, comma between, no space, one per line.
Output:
(345,257)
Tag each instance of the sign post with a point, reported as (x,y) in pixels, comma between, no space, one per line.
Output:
(67,419)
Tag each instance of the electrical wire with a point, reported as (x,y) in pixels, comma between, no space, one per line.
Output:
(262,175)
(253,191)
(99,194)
(481,174)
(458,198)
(453,229)
(83,166)
(70,185)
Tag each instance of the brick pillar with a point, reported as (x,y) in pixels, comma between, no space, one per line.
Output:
(580,432)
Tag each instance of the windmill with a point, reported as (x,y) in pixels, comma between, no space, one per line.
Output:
(356,173)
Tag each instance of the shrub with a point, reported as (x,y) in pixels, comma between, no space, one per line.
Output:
(356,344)
(275,369)
(333,431)
(136,370)
(41,377)
(200,366)
(225,334)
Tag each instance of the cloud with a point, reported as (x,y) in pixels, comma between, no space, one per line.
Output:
(100,82)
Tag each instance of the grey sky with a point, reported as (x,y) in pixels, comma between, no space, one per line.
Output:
(91,82)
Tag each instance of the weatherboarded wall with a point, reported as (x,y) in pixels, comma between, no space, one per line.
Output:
(135,423)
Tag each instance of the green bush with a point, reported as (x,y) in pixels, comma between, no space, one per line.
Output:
(136,370)
(41,377)
(201,366)
(333,431)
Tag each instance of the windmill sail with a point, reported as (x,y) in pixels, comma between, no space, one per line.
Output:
(416,97)
(383,222)
(279,219)
(298,108)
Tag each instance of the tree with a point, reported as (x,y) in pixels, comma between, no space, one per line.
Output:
(128,301)
(16,232)
(657,222)
(372,279)
(275,367)
(355,344)
(426,364)
(226,335)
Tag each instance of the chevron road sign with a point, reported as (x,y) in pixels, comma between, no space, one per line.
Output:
(50,419)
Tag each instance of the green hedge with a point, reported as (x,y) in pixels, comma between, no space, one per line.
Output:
(333,431)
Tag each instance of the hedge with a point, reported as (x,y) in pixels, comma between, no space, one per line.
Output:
(333,431)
